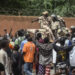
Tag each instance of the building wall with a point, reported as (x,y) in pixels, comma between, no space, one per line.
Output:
(24,22)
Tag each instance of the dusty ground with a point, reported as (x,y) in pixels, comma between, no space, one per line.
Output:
(19,22)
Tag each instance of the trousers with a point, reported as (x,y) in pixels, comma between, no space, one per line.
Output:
(28,68)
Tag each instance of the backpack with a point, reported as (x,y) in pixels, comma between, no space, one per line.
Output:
(72,56)
(19,40)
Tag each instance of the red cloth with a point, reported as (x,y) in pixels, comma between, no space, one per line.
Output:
(47,70)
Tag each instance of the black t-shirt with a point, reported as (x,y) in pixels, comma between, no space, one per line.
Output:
(63,51)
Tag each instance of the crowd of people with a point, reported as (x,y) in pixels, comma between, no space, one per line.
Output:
(19,53)
(25,53)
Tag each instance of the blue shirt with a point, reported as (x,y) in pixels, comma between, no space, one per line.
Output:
(22,44)
(68,43)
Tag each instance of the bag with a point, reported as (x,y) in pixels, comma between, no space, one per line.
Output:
(72,56)
(19,41)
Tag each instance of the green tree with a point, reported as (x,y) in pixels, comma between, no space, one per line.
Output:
(36,7)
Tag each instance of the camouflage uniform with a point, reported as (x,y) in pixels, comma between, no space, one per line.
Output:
(46,24)
(55,26)
(61,21)
(44,21)
(63,32)
(62,26)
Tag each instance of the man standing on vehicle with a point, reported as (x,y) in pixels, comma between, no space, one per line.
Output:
(45,23)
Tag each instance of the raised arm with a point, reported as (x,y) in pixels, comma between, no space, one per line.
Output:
(56,48)
(35,20)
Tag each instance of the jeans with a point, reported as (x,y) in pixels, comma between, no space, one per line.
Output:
(28,68)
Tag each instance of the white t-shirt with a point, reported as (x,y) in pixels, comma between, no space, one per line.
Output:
(72,57)
(4,60)
(55,54)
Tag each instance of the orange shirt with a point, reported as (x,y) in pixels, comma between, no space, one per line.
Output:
(29,49)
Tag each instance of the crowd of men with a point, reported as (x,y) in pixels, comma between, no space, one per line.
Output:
(56,51)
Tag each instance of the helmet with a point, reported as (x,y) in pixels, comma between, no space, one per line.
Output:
(53,15)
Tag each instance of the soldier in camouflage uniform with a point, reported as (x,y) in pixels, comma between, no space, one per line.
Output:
(61,21)
(45,23)
(55,25)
